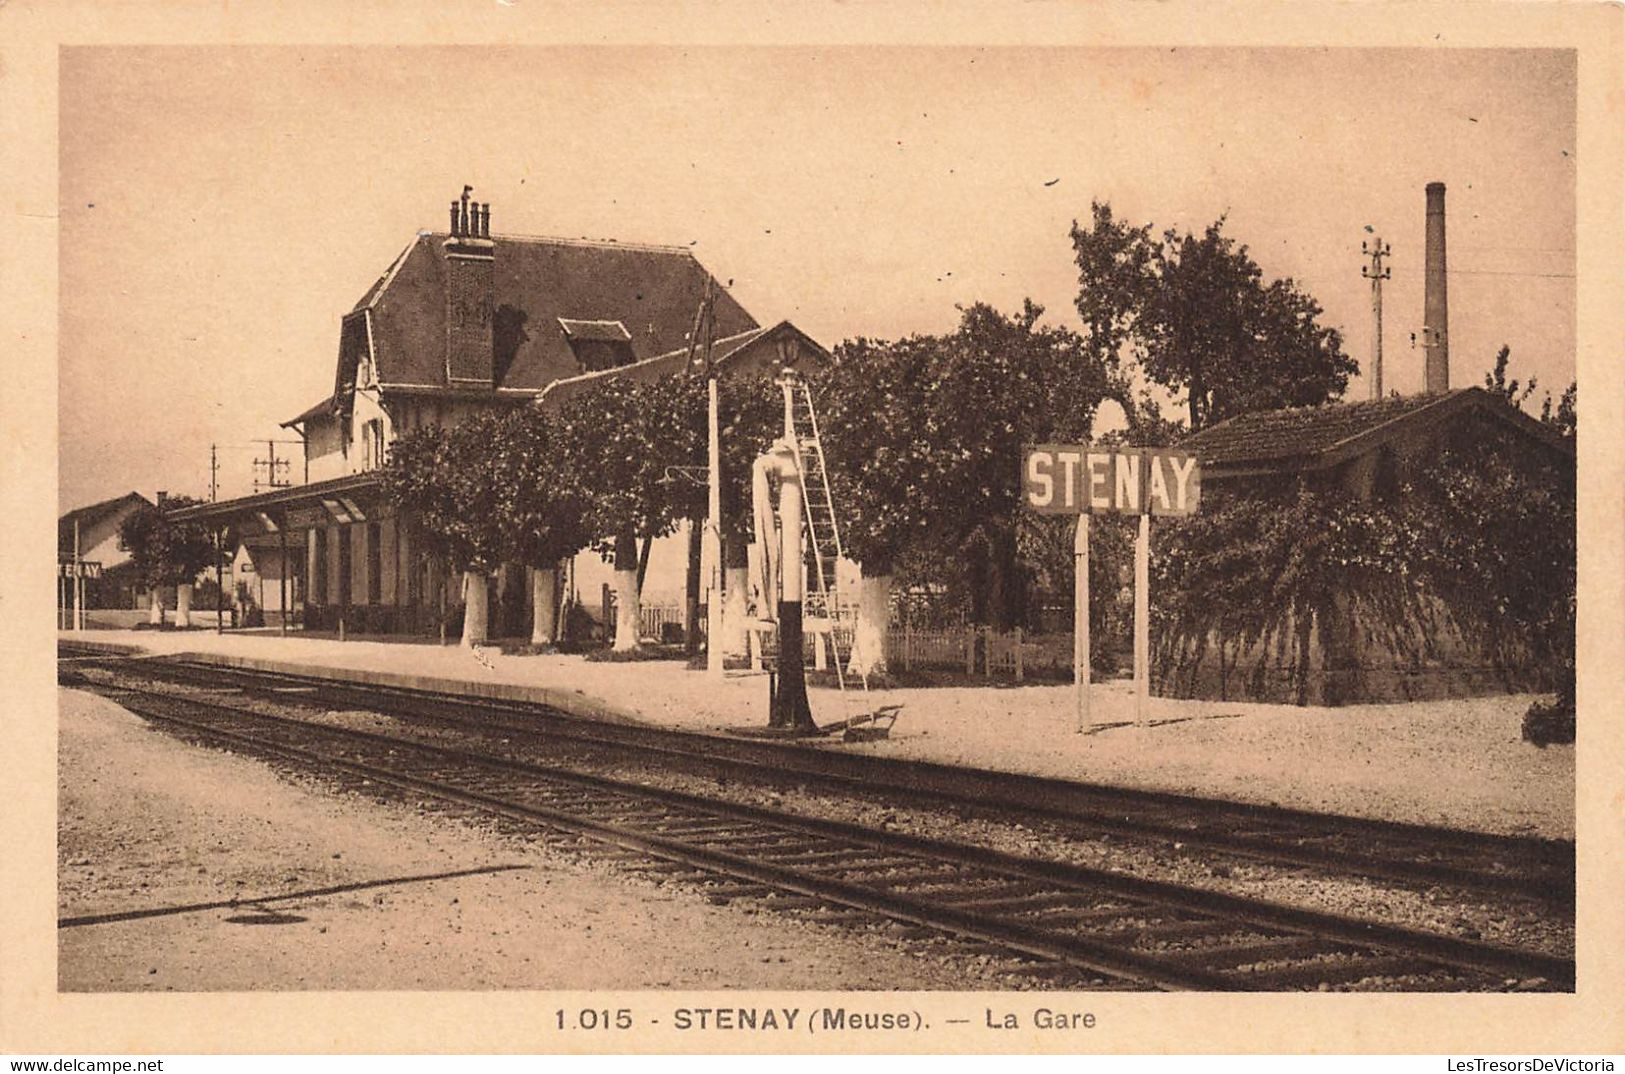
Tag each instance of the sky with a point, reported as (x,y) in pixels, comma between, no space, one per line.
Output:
(222,207)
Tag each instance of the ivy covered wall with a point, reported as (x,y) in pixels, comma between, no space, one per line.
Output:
(1437,567)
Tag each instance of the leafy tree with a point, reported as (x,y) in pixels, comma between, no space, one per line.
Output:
(925,435)
(450,480)
(1198,316)
(166,552)
(615,441)
(538,508)
(1562,418)
(1005,384)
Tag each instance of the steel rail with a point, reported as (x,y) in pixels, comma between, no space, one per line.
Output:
(1180,970)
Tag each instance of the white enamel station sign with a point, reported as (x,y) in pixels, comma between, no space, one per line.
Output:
(1070,479)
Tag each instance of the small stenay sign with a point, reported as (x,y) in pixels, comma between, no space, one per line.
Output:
(1072,479)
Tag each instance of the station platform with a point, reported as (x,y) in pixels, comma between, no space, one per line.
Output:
(1459,763)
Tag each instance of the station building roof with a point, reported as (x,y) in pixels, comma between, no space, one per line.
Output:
(544,289)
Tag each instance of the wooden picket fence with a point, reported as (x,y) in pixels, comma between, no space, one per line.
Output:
(973,650)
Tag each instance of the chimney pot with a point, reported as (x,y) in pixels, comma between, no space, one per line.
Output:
(485,220)
(454,218)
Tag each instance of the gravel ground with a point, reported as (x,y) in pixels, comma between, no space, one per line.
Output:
(1503,920)
(167,833)
(1458,763)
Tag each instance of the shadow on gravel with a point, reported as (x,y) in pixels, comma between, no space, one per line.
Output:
(261,900)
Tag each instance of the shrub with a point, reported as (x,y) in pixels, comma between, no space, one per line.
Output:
(1552,725)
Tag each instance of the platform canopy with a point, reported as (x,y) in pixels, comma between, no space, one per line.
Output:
(352,498)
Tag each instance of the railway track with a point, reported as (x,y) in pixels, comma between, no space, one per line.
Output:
(1065,921)
(1494,865)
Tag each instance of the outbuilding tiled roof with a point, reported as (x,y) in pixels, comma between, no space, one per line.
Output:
(91,514)
(1310,438)
(652,291)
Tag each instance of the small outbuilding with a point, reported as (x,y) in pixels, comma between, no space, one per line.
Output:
(1417,457)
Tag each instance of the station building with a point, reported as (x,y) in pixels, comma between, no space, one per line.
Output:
(464,321)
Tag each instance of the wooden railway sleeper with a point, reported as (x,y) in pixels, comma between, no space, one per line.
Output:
(1325,972)
(1231,958)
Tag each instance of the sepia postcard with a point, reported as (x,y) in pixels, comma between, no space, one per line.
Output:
(963,528)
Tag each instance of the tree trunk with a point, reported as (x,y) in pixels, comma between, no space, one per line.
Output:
(736,597)
(476,609)
(544,600)
(1008,590)
(183,604)
(628,598)
(736,612)
(155,607)
(874,620)
(978,580)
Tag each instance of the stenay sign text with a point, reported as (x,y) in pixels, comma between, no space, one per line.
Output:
(1072,479)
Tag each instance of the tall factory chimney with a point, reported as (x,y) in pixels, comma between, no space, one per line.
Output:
(1435,303)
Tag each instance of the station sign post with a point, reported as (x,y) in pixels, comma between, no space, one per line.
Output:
(1075,479)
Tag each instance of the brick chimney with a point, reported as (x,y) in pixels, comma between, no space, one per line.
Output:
(470,280)
(1435,302)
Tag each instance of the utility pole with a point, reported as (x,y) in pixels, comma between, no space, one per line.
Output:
(275,469)
(709,548)
(1376,272)
(214,474)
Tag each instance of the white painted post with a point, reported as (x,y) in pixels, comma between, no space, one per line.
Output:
(78,583)
(1080,621)
(183,604)
(1142,619)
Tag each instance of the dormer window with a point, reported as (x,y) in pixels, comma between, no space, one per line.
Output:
(598,344)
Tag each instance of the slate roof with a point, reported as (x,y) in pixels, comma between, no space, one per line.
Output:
(90,515)
(1312,438)
(652,290)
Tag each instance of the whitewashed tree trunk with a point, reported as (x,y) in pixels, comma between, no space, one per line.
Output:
(628,607)
(544,599)
(736,611)
(155,607)
(475,609)
(183,604)
(874,620)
